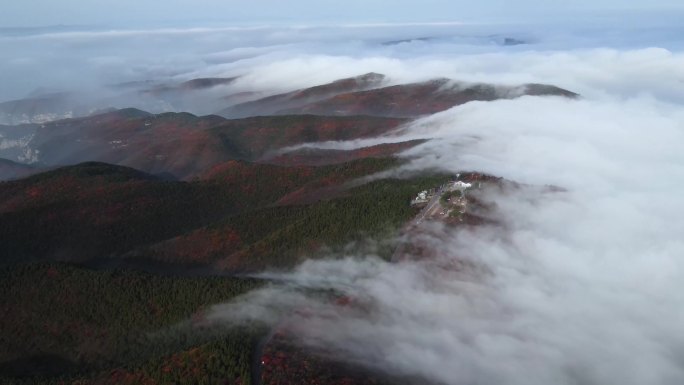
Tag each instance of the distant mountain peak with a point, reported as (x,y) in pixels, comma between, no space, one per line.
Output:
(421,98)
(271,104)
(202,83)
(371,77)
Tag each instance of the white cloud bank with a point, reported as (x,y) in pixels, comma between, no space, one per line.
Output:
(579,287)
(280,58)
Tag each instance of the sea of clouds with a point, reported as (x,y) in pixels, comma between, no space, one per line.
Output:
(581,286)
(578,286)
(272,59)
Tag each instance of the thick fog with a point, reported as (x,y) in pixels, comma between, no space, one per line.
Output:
(582,286)
(579,284)
(91,63)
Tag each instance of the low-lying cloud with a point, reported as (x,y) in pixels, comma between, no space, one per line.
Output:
(578,286)
(281,58)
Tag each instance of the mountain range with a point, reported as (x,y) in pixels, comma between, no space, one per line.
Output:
(120,228)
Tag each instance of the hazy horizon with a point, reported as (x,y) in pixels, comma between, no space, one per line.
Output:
(128,13)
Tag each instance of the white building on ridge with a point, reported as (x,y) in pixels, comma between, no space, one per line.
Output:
(461,186)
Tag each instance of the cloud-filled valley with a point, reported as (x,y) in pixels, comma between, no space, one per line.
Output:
(579,286)
(278,59)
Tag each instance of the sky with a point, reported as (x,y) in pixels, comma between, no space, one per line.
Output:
(127,13)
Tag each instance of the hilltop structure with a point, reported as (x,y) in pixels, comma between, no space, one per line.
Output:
(459,186)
